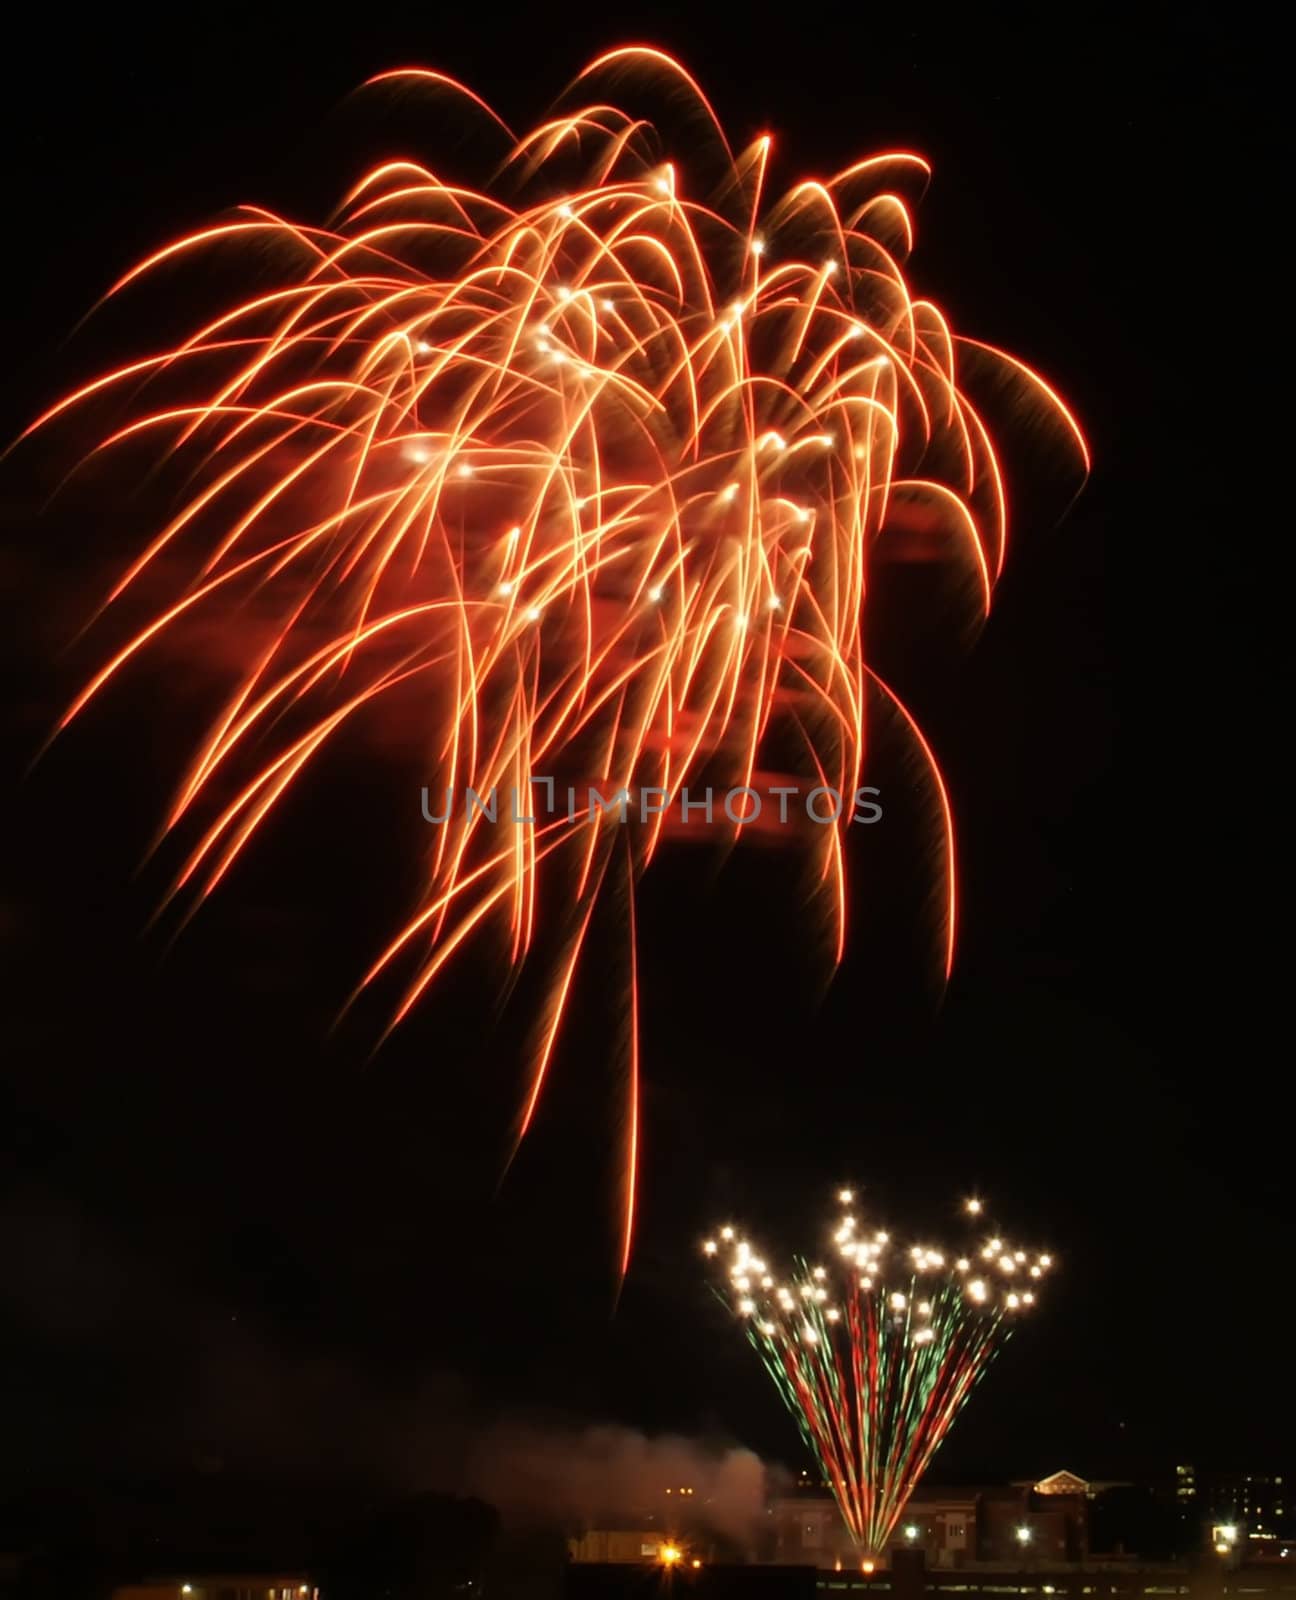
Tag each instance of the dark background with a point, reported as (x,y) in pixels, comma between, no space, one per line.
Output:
(230,1242)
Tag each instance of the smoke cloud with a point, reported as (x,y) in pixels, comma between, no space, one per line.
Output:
(612,1476)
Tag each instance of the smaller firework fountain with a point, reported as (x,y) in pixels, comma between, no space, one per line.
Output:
(876,1355)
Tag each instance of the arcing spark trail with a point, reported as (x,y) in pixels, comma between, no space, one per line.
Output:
(575,475)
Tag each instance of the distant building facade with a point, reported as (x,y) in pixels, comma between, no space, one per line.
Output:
(1260,1503)
(1247,1511)
(1027,1524)
(619,1547)
(226,1586)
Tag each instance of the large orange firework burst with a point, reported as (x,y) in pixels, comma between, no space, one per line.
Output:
(582,472)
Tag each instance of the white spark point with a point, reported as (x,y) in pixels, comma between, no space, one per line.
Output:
(758,247)
(465,471)
(655,593)
(506,587)
(423,347)
(533,613)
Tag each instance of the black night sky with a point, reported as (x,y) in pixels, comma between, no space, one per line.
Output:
(231,1240)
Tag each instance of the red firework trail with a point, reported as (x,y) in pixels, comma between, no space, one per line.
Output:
(580,474)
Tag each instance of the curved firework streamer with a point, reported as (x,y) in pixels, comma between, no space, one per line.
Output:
(876,1357)
(581,472)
